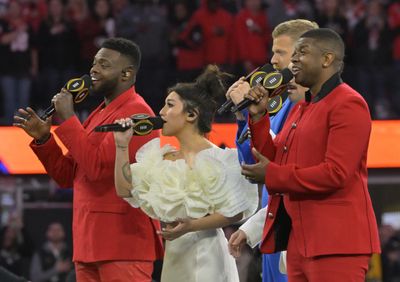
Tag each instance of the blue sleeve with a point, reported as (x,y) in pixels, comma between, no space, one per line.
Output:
(278,120)
(243,149)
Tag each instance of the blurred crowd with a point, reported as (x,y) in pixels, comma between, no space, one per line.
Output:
(44,43)
(390,258)
(22,260)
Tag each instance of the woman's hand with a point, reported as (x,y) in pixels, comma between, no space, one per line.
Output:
(176,229)
(122,138)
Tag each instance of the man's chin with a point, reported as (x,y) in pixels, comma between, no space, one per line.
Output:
(98,91)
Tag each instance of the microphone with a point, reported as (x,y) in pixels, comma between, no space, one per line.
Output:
(143,125)
(275,82)
(78,87)
(252,78)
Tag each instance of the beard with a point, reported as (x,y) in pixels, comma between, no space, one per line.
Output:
(106,88)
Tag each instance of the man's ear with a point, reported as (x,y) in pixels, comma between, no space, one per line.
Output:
(127,73)
(327,59)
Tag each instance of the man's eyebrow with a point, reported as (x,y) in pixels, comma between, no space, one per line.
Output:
(102,59)
(279,50)
(303,45)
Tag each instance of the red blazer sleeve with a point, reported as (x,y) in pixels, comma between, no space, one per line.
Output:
(261,139)
(58,166)
(346,150)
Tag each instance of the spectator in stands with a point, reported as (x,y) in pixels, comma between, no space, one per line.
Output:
(53,260)
(145,22)
(77,10)
(391,259)
(394,25)
(252,35)
(57,44)
(330,15)
(216,26)
(372,56)
(298,9)
(97,26)
(7,276)
(17,60)
(16,246)
(185,43)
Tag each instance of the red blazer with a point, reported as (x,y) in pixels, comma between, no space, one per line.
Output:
(105,227)
(318,161)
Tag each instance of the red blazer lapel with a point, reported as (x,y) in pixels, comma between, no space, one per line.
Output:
(102,112)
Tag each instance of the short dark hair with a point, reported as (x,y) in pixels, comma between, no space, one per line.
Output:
(329,40)
(126,47)
(201,96)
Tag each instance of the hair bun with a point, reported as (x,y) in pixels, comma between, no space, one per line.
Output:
(212,80)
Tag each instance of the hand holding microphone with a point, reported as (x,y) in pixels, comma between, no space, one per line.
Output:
(251,79)
(73,92)
(38,127)
(122,135)
(258,100)
(275,83)
(140,124)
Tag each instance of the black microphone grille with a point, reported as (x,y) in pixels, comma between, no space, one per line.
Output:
(87,79)
(287,75)
(258,76)
(267,68)
(157,122)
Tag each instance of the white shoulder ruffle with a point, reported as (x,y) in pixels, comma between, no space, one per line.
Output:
(168,190)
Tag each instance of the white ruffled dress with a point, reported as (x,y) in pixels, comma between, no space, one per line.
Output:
(168,190)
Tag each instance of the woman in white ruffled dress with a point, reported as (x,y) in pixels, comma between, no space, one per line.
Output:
(196,191)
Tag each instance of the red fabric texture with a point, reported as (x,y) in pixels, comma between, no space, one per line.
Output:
(318,161)
(349,268)
(105,227)
(114,271)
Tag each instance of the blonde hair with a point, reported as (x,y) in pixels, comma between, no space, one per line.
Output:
(294,28)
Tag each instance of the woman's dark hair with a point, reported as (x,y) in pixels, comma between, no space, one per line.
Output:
(201,96)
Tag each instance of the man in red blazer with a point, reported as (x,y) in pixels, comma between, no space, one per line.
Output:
(320,208)
(112,241)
